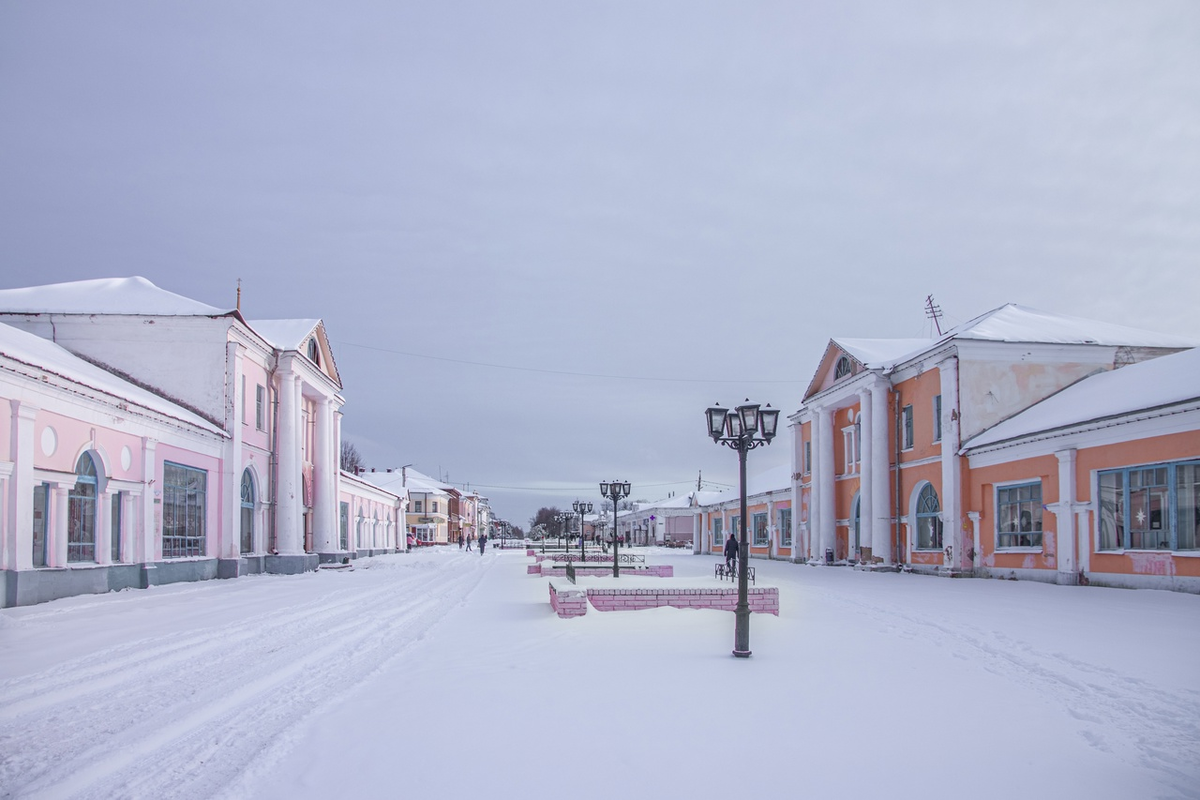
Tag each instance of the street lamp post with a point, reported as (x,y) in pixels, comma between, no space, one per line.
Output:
(581,508)
(741,431)
(615,490)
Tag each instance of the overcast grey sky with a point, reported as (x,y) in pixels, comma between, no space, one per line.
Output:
(694,196)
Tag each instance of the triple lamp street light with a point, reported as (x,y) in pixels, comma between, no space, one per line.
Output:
(581,508)
(615,490)
(748,427)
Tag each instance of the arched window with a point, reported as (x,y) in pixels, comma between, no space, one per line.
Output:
(842,369)
(375,531)
(358,531)
(314,352)
(247,512)
(929,519)
(81,512)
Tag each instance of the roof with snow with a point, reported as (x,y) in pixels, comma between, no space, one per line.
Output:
(133,296)
(1008,323)
(47,356)
(284,334)
(1157,383)
(408,478)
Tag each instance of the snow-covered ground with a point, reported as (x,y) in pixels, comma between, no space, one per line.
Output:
(445,675)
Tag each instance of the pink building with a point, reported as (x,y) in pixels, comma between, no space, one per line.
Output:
(201,445)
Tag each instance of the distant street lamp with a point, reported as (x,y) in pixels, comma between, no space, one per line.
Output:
(615,490)
(581,508)
(738,431)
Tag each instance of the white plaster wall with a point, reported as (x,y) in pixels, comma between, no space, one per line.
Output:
(177,356)
(992,391)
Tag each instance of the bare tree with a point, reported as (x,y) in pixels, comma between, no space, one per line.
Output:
(352,460)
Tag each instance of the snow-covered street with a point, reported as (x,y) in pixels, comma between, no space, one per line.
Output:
(444,674)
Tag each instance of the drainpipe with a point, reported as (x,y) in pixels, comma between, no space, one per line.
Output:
(273,458)
(899,506)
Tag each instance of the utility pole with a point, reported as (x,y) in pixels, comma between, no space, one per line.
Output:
(933,312)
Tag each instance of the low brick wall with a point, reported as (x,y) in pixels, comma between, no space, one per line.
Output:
(568,601)
(762,601)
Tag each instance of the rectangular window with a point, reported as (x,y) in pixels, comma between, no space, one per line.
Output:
(435,506)
(718,536)
(1149,508)
(908,428)
(937,418)
(40,493)
(1019,516)
(344,526)
(417,506)
(759,521)
(807,457)
(115,531)
(735,527)
(185,501)
(260,407)
(785,527)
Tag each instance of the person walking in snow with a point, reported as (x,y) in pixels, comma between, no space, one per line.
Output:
(468,542)
(460,542)
(482,542)
(731,553)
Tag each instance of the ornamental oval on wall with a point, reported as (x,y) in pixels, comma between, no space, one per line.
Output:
(49,441)
(126,457)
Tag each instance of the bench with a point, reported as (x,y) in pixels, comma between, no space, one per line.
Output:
(722,571)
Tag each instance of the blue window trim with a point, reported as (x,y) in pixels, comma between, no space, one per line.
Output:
(1172,515)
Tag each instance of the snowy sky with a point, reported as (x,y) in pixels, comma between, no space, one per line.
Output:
(537,231)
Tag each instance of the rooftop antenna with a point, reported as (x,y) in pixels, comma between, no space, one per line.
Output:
(698,474)
(239,296)
(934,312)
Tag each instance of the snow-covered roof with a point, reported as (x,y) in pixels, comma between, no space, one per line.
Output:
(882,353)
(408,478)
(133,296)
(1011,323)
(47,356)
(284,334)
(1016,323)
(1164,381)
(773,479)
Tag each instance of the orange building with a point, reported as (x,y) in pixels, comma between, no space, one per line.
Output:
(881,478)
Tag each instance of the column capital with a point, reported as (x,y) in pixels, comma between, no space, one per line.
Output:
(1065,455)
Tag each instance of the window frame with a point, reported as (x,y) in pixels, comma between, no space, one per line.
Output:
(808,457)
(1122,529)
(935,521)
(907,428)
(784,521)
(1036,516)
(116,527)
(937,418)
(193,541)
(260,407)
(760,522)
(82,497)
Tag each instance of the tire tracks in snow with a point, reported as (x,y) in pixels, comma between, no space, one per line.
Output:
(187,714)
(1124,716)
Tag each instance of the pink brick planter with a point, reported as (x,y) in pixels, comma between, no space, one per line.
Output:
(568,602)
(762,600)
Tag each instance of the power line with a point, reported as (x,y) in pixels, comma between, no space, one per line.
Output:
(589,488)
(555,371)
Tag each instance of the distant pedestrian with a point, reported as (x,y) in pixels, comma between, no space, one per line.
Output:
(731,553)
(460,542)
(468,543)
(482,542)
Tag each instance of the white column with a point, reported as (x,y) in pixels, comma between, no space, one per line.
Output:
(881,492)
(289,525)
(19,536)
(229,538)
(951,493)
(823,477)
(104,503)
(866,472)
(772,533)
(1084,529)
(325,480)
(146,550)
(1064,513)
(57,529)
